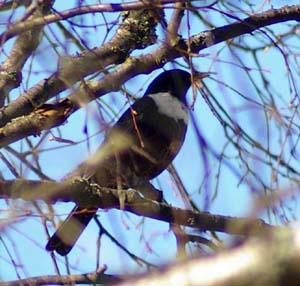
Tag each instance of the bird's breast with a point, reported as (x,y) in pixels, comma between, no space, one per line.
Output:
(170,106)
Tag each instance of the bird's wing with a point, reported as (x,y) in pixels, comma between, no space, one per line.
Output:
(137,112)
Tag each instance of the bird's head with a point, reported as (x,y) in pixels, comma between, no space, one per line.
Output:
(175,81)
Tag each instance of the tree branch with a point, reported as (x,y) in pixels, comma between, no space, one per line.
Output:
(45,117)
(272,260)
(244,26)
(24,46)
(21,27)
(90,195)
(87,278)
(137,31)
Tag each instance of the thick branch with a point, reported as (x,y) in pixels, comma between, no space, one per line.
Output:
(272,260)
(137,31)
(244,26)
(87,278)
(89,195)
(45,117)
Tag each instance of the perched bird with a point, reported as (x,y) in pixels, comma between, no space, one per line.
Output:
(141,144)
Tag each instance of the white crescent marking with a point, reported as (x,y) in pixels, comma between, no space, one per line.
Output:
(170,106)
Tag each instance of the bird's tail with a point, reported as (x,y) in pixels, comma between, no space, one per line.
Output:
(63,240)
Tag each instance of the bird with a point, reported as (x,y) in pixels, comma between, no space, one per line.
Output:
(140,145)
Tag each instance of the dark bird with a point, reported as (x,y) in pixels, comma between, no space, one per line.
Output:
(142,144)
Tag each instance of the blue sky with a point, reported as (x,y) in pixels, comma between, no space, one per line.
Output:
(150,239)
